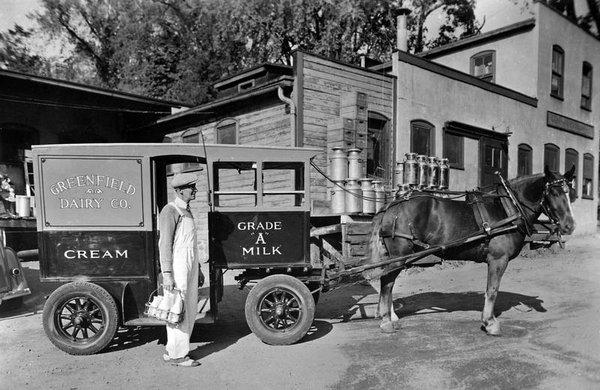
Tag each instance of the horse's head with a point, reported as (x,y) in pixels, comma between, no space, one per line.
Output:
(557,199)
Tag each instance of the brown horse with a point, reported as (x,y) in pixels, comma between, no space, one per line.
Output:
(423,220)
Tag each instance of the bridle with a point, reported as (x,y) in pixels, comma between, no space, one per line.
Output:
(564,184)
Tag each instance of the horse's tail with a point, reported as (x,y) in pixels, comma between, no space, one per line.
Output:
(376,248)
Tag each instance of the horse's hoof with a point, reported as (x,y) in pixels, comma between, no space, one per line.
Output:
(387,327)
(493,329)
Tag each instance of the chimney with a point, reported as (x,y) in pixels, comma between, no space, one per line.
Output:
(401,31)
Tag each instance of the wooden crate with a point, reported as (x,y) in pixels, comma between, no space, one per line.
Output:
(354,112)
(353,98)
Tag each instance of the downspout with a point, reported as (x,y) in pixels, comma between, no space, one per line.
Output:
(290,102)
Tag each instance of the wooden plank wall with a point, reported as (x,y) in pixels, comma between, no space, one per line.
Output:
(269,126)
(324,82)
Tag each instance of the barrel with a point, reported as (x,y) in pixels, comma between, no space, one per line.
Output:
(23,206)
(338,164)
(399,173)
(422,171)
(338,198)
(379,195)
(410,169)
(354,161)
(444,174)
(433,173)
(353,197)
(368,196)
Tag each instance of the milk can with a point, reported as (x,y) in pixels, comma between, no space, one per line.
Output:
(399,173)
(353,197)
(444,174)
(402,190)
(379,195)
(410,169)
(422,170)
(368,196)
(338,198)
(354,171)
(433,173)
(338,164)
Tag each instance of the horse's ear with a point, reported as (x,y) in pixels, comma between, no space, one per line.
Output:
(569,174)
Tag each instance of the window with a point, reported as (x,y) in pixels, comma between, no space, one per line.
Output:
(378,145)
(421,137)
(524,160)
(588,176)
(572,158)
(227,132)
(586,86)
(190,137)
(552,157)
(454,149)
(483,65)
(558,65)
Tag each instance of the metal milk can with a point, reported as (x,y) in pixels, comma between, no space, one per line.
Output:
(338,198)
(444,174)
(422,171)
(338,164)
(379,195)
(410,169)
(399,173)
(368,196)
(353,197)
(433,173)
(354,161)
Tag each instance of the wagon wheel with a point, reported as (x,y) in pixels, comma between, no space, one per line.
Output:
(280,310)
(80,318)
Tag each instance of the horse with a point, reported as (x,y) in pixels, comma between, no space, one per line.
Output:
(422,220)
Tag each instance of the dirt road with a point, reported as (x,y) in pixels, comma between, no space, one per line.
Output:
(549,306)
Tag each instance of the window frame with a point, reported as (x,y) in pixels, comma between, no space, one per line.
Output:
(588,104)
(481,54)
(587,175)
(560,74)
(574,153)
(529,149)
(554,147)
(461,152)
(224,123)
(423,125)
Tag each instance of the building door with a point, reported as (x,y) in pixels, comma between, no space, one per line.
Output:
(494,158)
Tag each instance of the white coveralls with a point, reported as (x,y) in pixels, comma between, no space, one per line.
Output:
(185,275)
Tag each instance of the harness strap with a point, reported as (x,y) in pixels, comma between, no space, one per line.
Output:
(481,216)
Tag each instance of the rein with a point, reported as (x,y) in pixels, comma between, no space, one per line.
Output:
(541,204)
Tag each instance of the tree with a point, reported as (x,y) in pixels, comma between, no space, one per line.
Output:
(176,49)
(15,54)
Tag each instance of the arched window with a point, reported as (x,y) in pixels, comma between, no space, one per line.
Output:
(422,137)
(378,145)
(586,86)
(552,157)
(524,160)
(227,131)
(558,68)
(588,176)
(572,159)
(483,65)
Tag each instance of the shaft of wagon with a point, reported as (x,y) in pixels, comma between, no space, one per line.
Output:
(419,255)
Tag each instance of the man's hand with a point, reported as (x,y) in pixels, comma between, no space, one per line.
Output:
(168,282)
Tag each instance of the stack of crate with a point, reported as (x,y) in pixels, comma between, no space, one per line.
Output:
(350,129)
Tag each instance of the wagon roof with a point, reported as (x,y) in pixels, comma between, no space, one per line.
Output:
(214,152)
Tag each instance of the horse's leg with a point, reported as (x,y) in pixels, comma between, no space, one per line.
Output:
(376,284)
(496,268)
(386,302)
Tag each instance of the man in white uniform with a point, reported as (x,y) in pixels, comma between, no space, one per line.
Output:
(179,265)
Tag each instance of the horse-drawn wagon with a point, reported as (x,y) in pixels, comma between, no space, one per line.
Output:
(97,233)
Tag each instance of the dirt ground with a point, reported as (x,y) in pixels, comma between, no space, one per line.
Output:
(549,306)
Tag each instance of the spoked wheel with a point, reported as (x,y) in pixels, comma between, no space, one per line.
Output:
(80,318)
(280,309)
